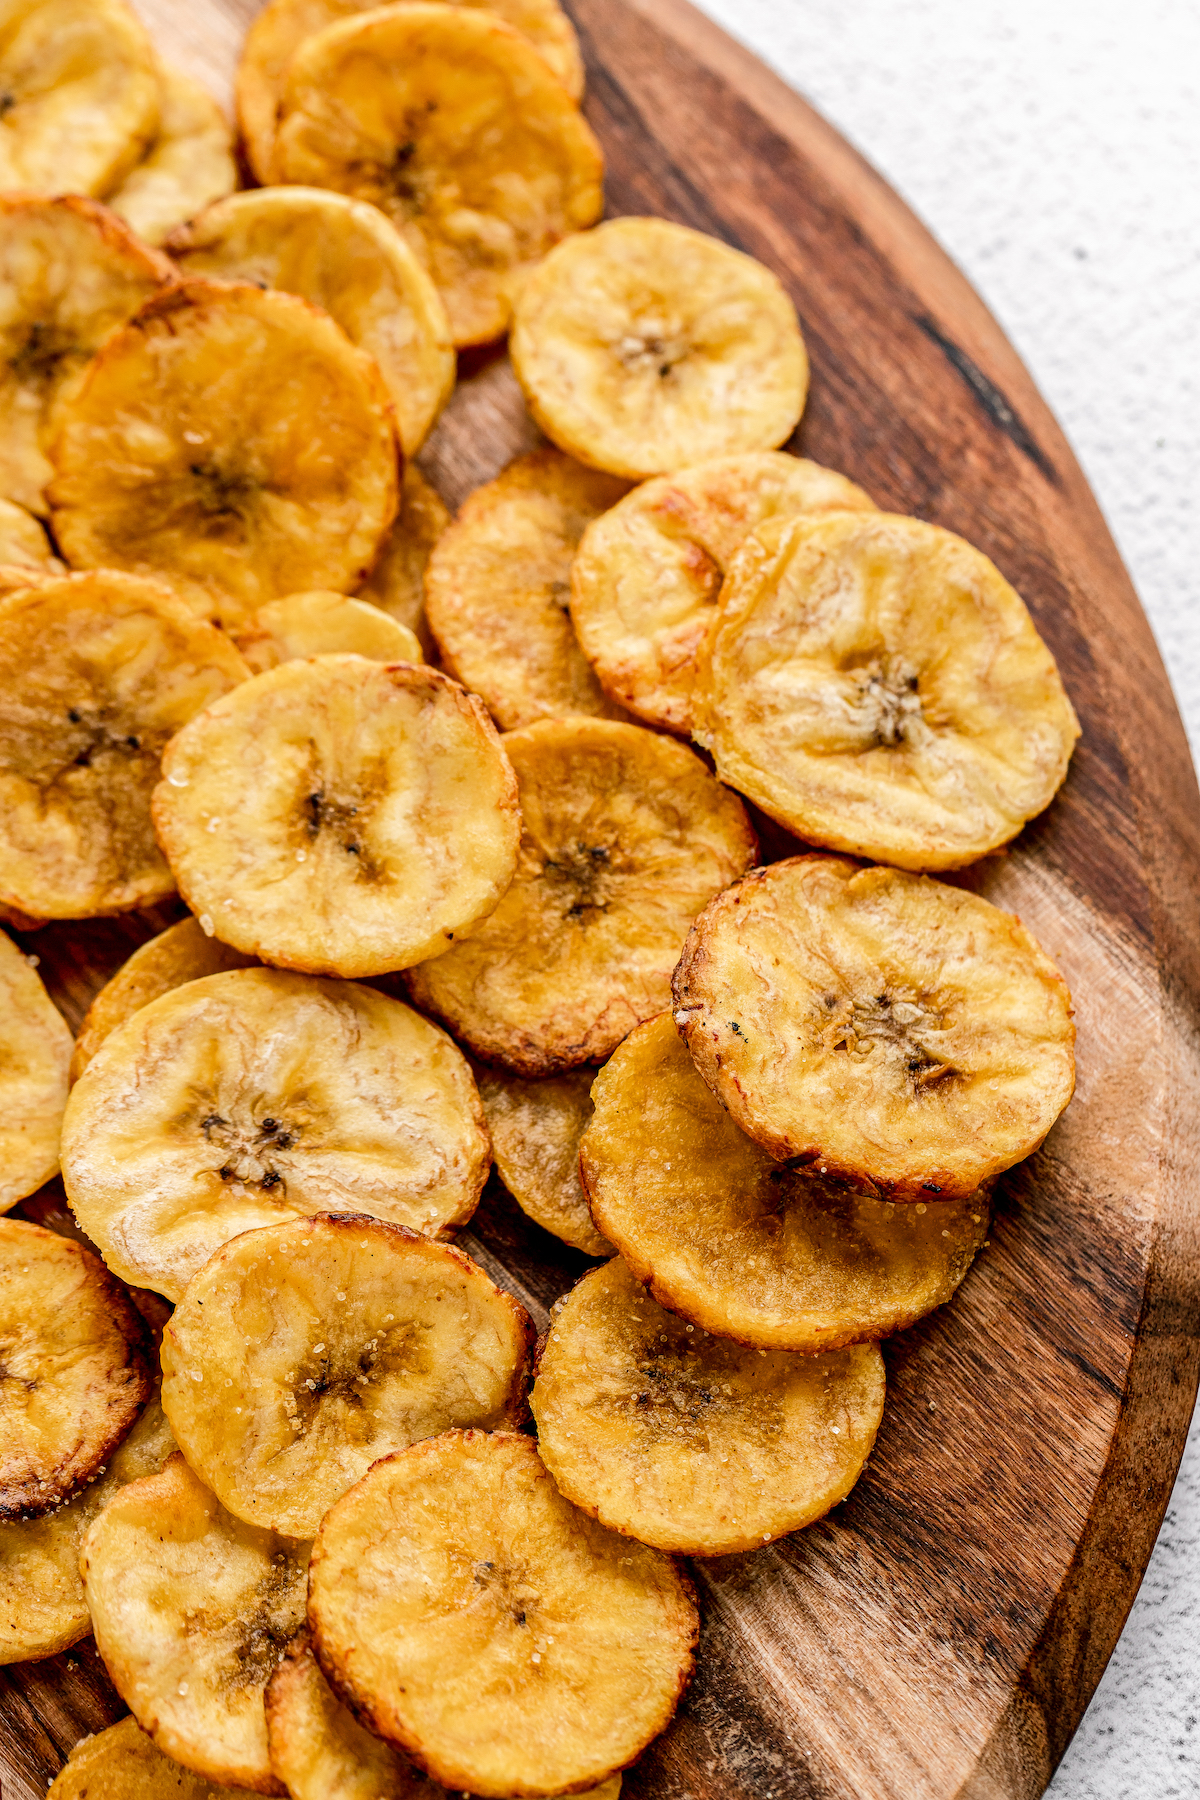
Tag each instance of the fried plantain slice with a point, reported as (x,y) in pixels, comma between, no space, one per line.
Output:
(686,1441)
(536,1127)
(397,582)
(450,122)
(24,544)
(122,1763)
(645,580)
(746,1247)
(644,346)
(187,166)
(626,836)
(282,26)
(455,1596)
(70,271)
(497,587)
(181,953)
(231,440)
(192,1609)
(346,257)
(75,1372)
(35,1051)
(256,1097)
(79,82)
(96,674)
(875,685)
(43,1609)
(912,1038)
(343,1338)
(340,815)
(323,624)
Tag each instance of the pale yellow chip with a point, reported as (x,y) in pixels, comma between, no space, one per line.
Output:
(686,1441)
(498,585)
(536,1127)
(342,816)
(397,582)
(912,1038)
(192,1610)
(875,685)
(644,346)
(79,81)
(24,544)
(96,674)
(232,441)
(254,1098)
(35,1051)
(470,1615)
(449,121)
(188,165)
(647,576)
(323,624)
(346,257)
(122,1763)
(70,271)
(345,1339)
(626,836)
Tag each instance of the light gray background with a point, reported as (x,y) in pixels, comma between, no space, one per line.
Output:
(1053,147)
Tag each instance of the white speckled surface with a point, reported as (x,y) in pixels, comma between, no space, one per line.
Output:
(1053,147)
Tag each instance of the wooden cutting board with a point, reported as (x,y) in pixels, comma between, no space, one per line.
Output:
(939,1636)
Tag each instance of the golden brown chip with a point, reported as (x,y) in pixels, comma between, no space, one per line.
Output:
(96,674)
(192,1610)
(645,346)
(181,953)
(232,441)
(188,165)
(397,582)
(689,1442)
(35,1051)
(645,581)
(451,123)
(75,1371)
(340,815)
(80,85)
(341,1338)
(24,545)
(747,1247)
(122,1763)
(498,584)
(70,271)
(874,684)
(14,578)
(536,1127)
(256,1097)
(323,624)
(911,1037)
(626,836)
(469,1614)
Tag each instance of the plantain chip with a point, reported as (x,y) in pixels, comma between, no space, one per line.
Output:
(346,257)
(192,1610)
(96,674)
(323,624)
(24,545)
(255,1097)
(645,580)
(232,441)
(644,346)
(536,1127)
(122,1763)
(689,1442)
(35,1051)
(188,165)
(497,588)
(80,89)
(340,815)
(467,1613)
(70,271)
(912,1038)
(181,953)
(450,122)
(626,836)
(875,685)
(397,582)
(341,1338)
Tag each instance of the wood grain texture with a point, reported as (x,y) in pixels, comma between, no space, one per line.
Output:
(938,1637)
